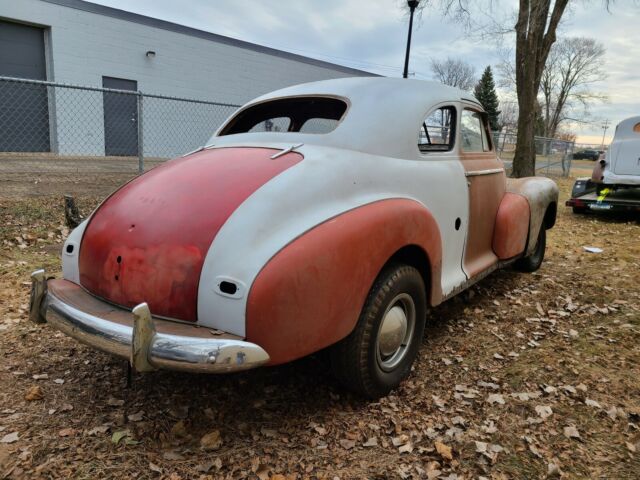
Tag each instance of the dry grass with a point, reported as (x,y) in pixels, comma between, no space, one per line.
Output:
(573,326)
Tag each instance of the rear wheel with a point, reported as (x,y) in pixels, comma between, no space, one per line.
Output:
(378,354)
(532,262)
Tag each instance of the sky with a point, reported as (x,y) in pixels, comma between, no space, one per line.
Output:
(371,35)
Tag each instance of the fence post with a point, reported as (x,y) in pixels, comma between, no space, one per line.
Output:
(140,135)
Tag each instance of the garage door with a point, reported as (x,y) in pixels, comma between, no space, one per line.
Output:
(24,117)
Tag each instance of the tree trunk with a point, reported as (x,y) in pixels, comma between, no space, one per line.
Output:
(535,33)
(524,160)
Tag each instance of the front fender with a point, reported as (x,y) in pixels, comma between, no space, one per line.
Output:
(311,293)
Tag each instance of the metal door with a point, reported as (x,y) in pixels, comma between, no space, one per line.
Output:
(120,117)
(486,181)
(24,107)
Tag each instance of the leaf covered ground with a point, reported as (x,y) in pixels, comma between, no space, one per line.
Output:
(525,376)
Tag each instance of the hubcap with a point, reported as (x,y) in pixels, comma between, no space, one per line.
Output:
(395,332)
(392,331)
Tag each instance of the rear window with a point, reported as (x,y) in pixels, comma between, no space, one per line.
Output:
(300,114)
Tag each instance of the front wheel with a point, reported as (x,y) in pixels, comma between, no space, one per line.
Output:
(532,262)
(378,354)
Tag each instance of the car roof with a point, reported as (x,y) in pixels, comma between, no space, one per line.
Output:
(384,114)
(625,128)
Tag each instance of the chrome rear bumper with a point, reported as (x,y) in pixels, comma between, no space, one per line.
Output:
(148,343)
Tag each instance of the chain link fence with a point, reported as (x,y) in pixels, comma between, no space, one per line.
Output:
(553,156)
(50,128)
(57,137)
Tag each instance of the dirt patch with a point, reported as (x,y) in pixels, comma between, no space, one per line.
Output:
(520,377)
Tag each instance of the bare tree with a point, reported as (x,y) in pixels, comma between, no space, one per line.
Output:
(454,72)
(535,29)
(509,115)
(573,65)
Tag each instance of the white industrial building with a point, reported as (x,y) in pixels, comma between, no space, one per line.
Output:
(81,43)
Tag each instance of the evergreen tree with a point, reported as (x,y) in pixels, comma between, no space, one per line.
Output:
(485,92)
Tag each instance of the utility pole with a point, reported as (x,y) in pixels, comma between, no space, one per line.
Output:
(412,4)
(604,131)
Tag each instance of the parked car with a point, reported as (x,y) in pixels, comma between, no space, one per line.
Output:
(620,165)
(586,154)
(374,200)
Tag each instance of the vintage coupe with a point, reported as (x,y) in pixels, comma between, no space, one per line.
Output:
(329,214)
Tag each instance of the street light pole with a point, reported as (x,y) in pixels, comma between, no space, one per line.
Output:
(412,4)
(604,131)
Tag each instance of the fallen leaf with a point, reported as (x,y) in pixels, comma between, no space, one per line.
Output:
(155,468)
(495,398)
(544,411)
(179,430)
(592,403)
(553,471)
(66,432)
(371,442)
(34,393)
(571,432)
(10,438)
(481,447)
(444,451)
(406,448)
(211,441)
(114,402)
(172,455)
(631,447)
(96,430)
(118,436)
(136,417)
(347,444)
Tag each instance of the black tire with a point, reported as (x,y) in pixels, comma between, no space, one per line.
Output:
(532,262)
(357,361)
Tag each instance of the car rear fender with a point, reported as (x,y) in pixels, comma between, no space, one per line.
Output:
(311,293)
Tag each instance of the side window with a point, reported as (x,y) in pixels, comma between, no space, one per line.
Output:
(278,124)
(437,131)
(473,132)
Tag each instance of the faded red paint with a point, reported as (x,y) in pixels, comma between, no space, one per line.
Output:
(311,293)
(485,195)
(148,241)
(512,226)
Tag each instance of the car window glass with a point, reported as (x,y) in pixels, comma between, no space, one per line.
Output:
(295,114)
(318,125)
(473,134)
(437,131)
(279,124)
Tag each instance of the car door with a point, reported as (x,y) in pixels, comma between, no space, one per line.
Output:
(486,183)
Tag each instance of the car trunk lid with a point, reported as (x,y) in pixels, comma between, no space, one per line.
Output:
(147,242)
